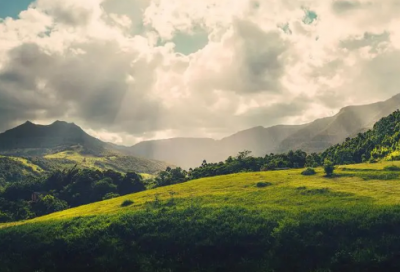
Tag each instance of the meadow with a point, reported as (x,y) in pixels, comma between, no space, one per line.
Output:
(262,221)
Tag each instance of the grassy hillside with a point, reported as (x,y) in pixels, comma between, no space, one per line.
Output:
(17,168)
(14,169)
(114,162)
(266,221)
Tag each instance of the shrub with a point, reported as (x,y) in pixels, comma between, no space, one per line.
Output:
(126,202)
(110,195)
(392,168)
(329,167)
(262,184)
(308,172)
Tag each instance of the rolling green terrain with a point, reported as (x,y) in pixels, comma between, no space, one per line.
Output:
(114,162)
(264,221)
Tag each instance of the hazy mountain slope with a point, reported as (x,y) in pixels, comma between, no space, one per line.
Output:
(184,152)
(190,152)
(323,133)
(312,137)
(259,140)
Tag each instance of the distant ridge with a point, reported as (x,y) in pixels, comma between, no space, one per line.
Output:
(311,137)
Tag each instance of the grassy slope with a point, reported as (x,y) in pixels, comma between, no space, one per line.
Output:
(116,163)
(27,163)
(355,183)
(227,223)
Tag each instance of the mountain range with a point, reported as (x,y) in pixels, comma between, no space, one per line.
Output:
(30,139)
(311,137)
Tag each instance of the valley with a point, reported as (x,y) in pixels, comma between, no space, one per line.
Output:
(76,207)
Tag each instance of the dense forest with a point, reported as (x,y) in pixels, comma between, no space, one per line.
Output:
(63,189)
(378,143)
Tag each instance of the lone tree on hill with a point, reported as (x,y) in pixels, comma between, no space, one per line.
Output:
(329,167)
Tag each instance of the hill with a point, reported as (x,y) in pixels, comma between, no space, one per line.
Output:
(14,169)
(61,145)
(268,221)
(381,142)
(30,139)
(312,137)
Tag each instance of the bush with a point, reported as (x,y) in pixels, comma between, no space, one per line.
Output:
(308,172)
(110,195)
(126,203)
(329,167)
(262,184)
(392,168)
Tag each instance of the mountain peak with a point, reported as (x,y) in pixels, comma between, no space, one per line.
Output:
(39,139)
(28,123)
(58,123)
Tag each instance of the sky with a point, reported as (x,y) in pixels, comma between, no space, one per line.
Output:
(133,70)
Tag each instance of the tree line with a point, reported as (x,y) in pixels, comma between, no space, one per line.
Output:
(64,189)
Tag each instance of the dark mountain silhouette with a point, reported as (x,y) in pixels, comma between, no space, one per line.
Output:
(66,144)
(312,137)
(32,139)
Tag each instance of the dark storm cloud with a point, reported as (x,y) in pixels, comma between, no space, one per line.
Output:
(91,87)
(259,58)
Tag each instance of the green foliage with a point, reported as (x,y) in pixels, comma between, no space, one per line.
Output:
(243,162)
(12,170)
(62,189)
(205,239)
(126,203)
(392,168)
(373,145)
(263,184)
(110,196)
(308,172)
(301,223)
(4,217)
(329,167)
(48,204)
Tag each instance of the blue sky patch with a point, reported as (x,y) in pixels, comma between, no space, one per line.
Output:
(309,17)
(11,8)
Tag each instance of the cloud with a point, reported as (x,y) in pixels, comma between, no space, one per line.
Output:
(130,70)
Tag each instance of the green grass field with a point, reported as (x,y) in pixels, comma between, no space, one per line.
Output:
(263,221)
(288,190)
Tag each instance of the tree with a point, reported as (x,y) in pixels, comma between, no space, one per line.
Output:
(329,167)
(102,188)
(243,154)
(49,204)
(131,183)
